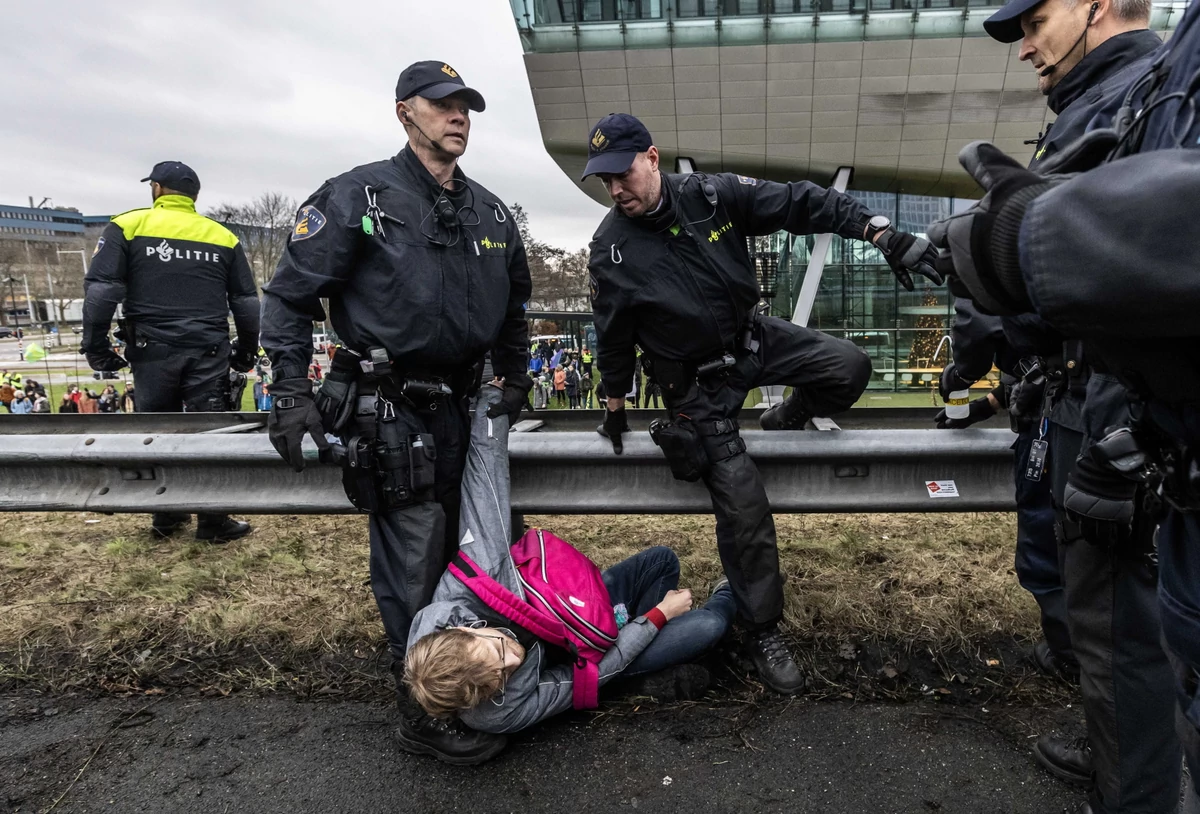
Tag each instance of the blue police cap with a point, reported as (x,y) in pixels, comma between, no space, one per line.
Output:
(435,80)
(613,144)
(1005,24)
(177,176)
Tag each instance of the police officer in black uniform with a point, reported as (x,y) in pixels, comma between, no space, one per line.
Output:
(670,273)
(179,275)
(1084,57)
(1099,256)
(425,273)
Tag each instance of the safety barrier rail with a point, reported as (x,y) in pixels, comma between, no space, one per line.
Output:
(560,473)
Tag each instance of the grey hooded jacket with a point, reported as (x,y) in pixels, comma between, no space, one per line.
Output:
(537,689)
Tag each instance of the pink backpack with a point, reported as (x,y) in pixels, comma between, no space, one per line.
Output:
(566,603)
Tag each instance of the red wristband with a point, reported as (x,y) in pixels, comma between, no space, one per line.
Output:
(656,618)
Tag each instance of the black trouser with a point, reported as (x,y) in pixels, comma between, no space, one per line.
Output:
(410,547)
(1125,677)
(827,376)
(176,380)
(647,395)
(1037,561)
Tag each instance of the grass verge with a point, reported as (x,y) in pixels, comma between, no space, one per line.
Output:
(90,602)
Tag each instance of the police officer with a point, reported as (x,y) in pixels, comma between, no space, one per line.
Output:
(179,275)
(670,273)
(425,273)
(1099,256)
(1083,57)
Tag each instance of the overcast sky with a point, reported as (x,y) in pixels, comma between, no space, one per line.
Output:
(257,95)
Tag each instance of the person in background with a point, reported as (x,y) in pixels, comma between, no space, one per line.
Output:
(89,402)
(560,386)
(6,394)
(127,402)
(109,400)
(41,404)
(572,386)
(585,389)
(68,404)
(20,405)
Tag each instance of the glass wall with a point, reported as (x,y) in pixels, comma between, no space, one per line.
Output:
(860,299)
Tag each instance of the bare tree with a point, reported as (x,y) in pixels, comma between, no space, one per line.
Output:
(263,227)
(560,278)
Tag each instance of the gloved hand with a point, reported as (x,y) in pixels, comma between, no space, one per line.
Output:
(1101,500)
(951,381)
(242,360)
(980,244)
(292,415)
(514,399)
(614,424)
(981,409)
(908,253)
(107,359)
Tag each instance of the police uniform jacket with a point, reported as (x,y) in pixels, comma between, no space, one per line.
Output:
(179,275)
(436,288)
(679,282)
(1087,98)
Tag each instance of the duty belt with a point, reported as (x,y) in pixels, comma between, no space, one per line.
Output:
(422,389)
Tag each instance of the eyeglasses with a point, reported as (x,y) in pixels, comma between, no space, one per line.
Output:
(501,645)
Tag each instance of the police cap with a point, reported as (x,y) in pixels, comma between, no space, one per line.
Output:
(435,80)
(177,176)
(1005,24)
(613,144)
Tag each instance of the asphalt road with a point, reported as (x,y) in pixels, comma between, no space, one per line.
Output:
(245,754)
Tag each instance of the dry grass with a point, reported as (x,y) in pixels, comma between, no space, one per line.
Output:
(91,600)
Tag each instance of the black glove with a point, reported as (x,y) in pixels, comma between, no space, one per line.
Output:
(981,409)
(293,414)
(982,242)
(614,424)
(951,381)
(907,253)
(1101,500)
(107,359)
(242,360)
(515,398)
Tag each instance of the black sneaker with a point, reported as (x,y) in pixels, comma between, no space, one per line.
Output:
(786,415)
(773,661)
(229,530)
(1068,759)
(448,741)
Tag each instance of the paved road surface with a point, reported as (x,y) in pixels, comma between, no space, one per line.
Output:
(276,755)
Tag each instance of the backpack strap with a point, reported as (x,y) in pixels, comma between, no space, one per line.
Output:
(585,688)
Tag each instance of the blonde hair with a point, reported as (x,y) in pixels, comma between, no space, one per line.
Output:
(444,675)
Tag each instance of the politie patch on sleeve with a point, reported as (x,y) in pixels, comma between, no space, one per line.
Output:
(309,221)
(593,285)
(99,246)
(743,179)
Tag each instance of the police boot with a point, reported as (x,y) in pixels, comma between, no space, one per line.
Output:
(786,415)
(773,661)
(164,524)
(450,741)
(1068,759)
(220,529)
(1050,663)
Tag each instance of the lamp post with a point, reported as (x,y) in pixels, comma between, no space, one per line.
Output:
(12,298)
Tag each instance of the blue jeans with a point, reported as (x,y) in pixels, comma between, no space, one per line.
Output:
(640,582)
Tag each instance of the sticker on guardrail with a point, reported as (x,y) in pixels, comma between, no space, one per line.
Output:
(941,488)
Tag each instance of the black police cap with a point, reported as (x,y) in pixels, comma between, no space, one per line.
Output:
(1005,24)
(435,80)
(177,176)
(613,144)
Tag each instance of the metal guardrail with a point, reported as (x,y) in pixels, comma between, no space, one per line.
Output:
(864,418)
(559,473)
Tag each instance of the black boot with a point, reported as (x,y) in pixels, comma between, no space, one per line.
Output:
(450,741)
(220,529)
(164,524)
(1050,663)
(682,682)
(786,415)
(773,661)
(1068,759)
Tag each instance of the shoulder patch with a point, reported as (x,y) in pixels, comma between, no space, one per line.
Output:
(742,179)
(99,246)
(593,285)
(309,221)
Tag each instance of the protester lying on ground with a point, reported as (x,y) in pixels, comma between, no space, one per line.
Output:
(468,659)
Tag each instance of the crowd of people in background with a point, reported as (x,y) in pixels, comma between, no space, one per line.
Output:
(21,396)
(564,378)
